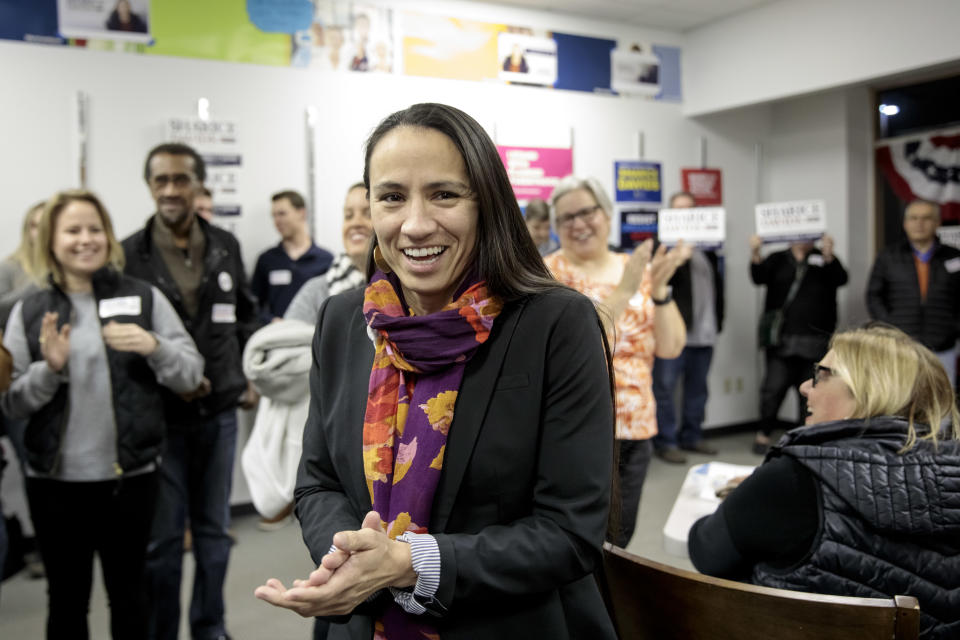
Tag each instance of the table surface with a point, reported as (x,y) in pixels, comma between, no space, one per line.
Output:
(697,498)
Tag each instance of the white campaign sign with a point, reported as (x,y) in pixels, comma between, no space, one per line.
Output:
(791,221)
(700,227)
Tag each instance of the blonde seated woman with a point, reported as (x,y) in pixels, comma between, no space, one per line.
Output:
(865,499)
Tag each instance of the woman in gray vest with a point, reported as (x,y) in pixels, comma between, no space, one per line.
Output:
(865,499)
(91,352)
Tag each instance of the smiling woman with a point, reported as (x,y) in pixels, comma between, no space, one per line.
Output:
(460,462)
(91,351)
(865,499)
(640,316)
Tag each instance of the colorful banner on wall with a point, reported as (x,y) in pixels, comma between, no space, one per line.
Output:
(795,221)
(441,47)
(706,185)
(127,20)
(527,59)
(636,225)
(926,167)
(346,37)
(535,171)
(340,35)
(637,181)
(703,227)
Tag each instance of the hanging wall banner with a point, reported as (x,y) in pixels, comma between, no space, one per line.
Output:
(535,171)
(703,227)
(635,70)
(348,37)
(636,225)
(127,20)
(637,181)
(706,185)
(442,47)
(796,221)
(217,142)
(527,59)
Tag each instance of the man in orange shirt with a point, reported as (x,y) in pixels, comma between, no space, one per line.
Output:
(915,285)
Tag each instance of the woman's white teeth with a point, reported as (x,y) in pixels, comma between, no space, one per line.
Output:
(423,252)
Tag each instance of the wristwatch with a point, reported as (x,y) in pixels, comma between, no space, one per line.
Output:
(666,299)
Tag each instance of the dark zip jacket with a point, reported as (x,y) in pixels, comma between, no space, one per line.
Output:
(226,315)
(137,401)
(893,294)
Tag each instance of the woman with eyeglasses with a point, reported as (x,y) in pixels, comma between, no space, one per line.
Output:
(865,499)
(639,315)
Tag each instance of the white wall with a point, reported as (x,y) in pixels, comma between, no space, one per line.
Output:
(793,47)
(816,146)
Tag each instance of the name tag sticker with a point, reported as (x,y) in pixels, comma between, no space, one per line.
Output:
(281,276)
(952,265)
(815,260)
(125,306)
(224,312)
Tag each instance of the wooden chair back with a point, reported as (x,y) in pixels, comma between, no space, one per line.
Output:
(647,599)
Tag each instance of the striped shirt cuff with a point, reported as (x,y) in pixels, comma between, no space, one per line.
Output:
(425,557)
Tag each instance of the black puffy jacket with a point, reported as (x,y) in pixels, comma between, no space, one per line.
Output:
(893,294)
(890,522)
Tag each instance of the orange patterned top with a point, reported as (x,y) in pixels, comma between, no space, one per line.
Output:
(633,348)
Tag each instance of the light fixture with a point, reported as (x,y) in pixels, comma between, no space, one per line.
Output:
(889,109)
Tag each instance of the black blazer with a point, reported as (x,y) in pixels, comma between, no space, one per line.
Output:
(521,508)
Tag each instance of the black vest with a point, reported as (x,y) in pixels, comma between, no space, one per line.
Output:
(137,403)
(890,523)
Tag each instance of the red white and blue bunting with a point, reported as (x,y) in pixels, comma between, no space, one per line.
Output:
(925,167)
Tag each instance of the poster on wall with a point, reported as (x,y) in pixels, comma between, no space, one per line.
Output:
(637,181)
(794,221)
(441,47)
(635,70)
(125,20)
(527,59)
(706,185)
(702,227)
(217,142)
(535,171)
(636,225)
(349,36)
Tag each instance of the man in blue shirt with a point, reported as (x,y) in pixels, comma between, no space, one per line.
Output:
(282,270)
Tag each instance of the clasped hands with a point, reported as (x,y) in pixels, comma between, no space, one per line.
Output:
(55,344)
(363,562)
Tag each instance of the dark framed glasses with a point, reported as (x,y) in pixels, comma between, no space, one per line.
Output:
(820,372)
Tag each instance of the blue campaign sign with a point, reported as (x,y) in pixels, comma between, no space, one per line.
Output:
(636,181)
(636,225)
(280,16)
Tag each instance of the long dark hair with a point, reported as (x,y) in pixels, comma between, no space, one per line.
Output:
(506,257)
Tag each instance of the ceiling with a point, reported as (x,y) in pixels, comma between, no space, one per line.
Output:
(672,15)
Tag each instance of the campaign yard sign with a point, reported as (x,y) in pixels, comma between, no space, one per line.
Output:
(636,225)
(637,181)
(794,221)
(706,186)
(703,227)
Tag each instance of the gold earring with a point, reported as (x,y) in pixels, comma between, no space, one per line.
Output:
(379,261)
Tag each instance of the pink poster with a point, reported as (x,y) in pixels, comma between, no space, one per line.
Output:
(535,171)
